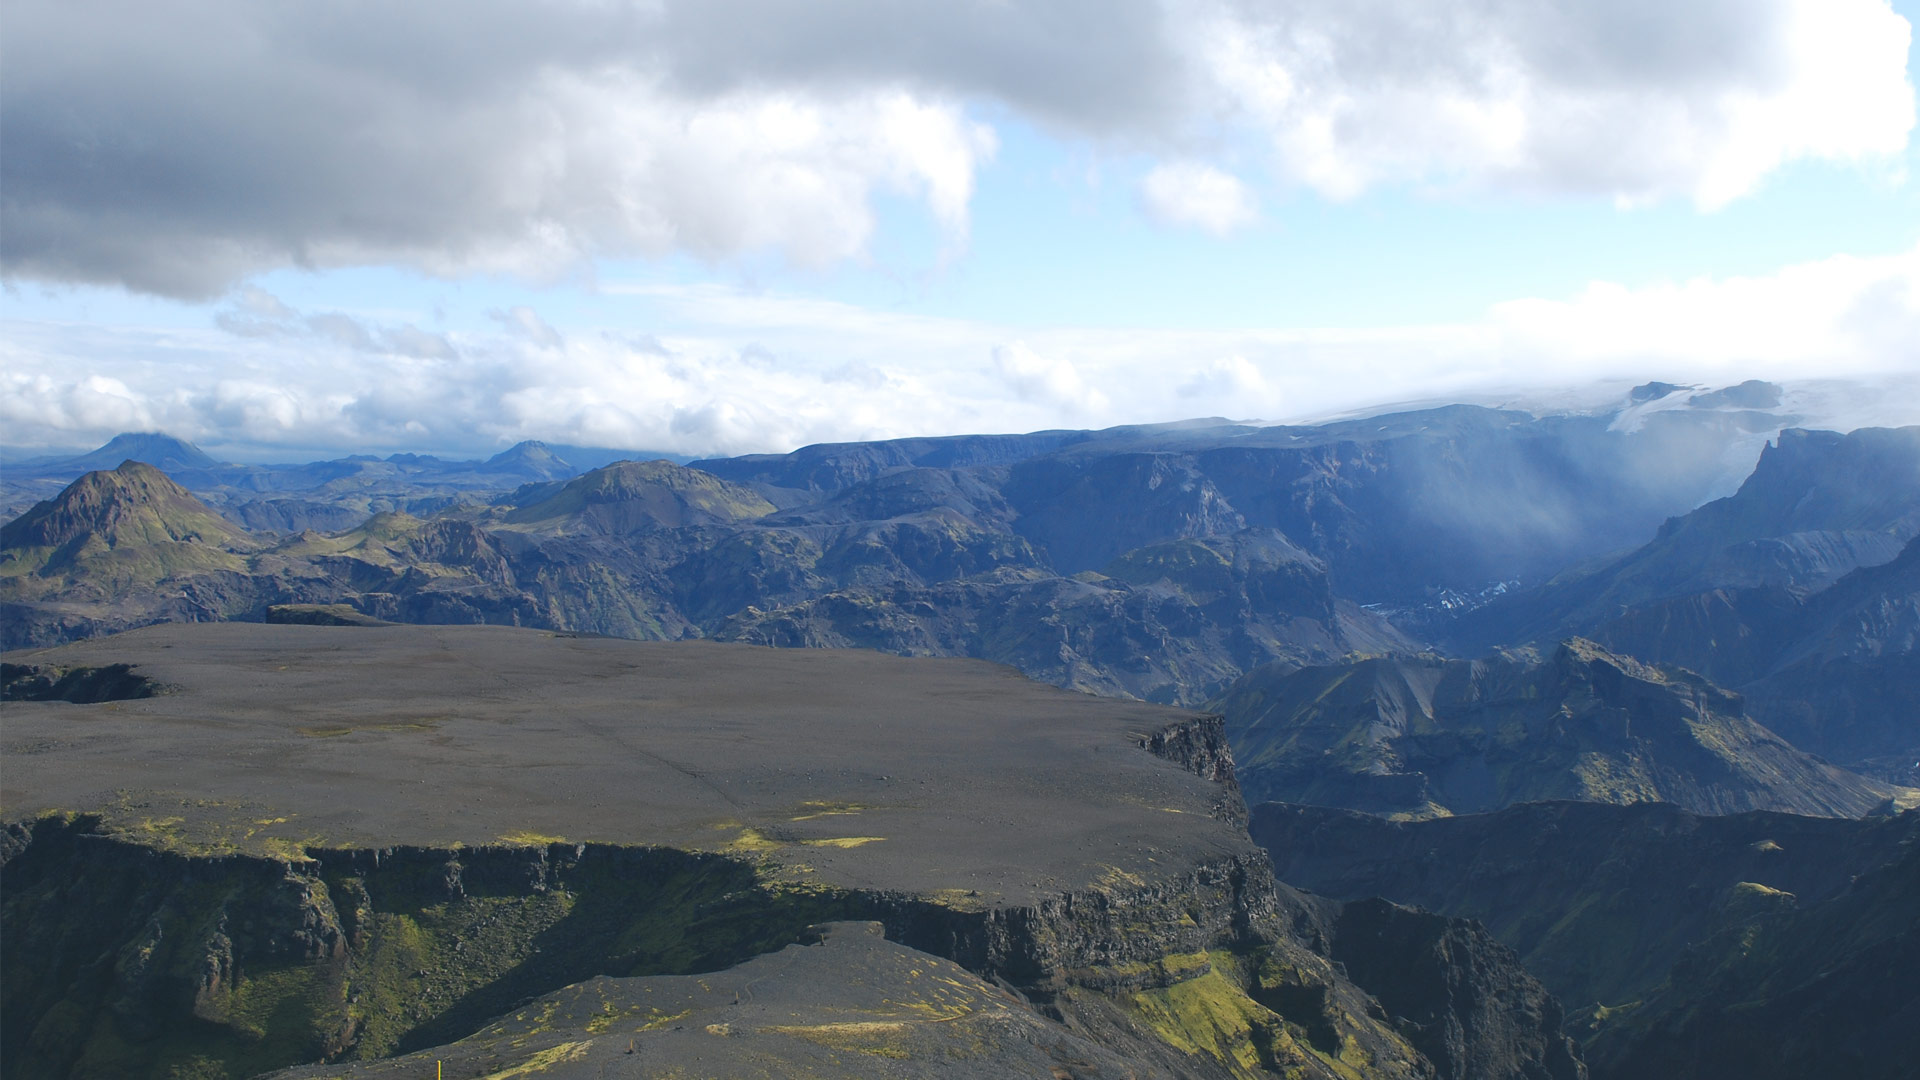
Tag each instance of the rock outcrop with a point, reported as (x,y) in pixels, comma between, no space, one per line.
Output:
(1460,997)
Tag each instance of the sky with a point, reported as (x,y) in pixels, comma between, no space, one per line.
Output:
(729,226)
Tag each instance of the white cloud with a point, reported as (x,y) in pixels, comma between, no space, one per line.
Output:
(1228,380)
(1051,380)
(175,152)
(1198,195)
(1844,314)
(179,149)
(528,324)
(257,313)
(1637,101)
(734,372)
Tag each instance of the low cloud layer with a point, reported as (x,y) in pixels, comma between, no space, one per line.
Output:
(731,372)
(177,149)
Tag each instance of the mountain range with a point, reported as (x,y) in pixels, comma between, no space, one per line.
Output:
(1568,682)
(326,495)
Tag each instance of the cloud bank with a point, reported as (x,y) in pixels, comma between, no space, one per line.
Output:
(731,372)
(177,148)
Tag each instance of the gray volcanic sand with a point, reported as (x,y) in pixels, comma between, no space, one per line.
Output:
(848,768)
(851,1005)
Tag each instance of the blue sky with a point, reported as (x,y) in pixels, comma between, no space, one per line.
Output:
(929,242)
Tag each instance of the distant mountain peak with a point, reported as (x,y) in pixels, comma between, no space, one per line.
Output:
(533,460)
(526,450)
(153,447)
(1752,394)
(1653,391)
(633,496)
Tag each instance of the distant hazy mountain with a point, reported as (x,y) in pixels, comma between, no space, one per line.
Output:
(1801,590)
(1424,736)
(635,496)
(162,451)
(1400,508)
(1297,577)
(320,494)
(1818,505)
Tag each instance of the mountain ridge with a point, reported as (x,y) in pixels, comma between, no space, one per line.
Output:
(1424,736)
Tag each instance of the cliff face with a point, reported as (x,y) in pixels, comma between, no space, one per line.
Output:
(843,1002)
(1460,997)
(1200,747)
(125,961)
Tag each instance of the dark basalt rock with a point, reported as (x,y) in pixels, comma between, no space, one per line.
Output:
(81,685)
(1458,995)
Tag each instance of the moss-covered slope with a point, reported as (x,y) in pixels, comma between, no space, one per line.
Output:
(117,532)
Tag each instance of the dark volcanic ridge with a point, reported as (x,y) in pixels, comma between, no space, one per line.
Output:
(1423,736)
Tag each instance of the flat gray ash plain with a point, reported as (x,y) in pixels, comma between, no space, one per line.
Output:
(949,778)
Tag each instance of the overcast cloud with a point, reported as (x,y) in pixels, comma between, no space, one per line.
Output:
(177,148)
